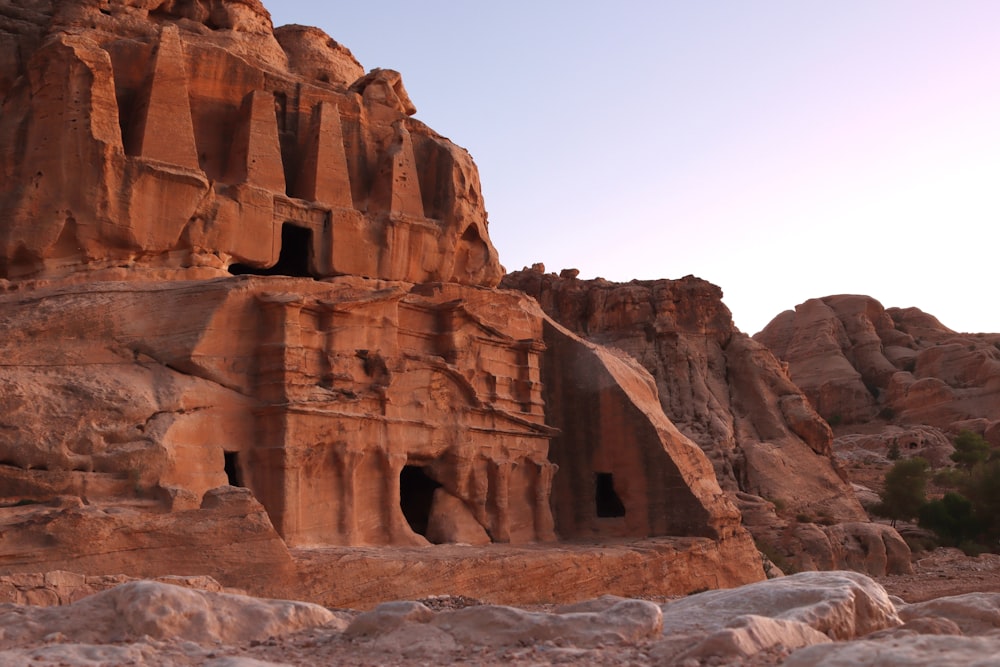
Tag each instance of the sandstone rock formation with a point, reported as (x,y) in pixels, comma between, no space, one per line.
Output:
(232,259)
(857,361)
(735,400)
(261,143)
(816,618)
(927,442)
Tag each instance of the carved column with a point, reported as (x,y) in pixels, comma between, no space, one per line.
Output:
(280,337)
(479,489)
(544,523)
(395,523)
(349,463)
(501,498)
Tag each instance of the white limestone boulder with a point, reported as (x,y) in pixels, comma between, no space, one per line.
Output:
(156,610)
(913,651)
(974,613)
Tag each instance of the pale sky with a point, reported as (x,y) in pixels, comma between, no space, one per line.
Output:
(781,149)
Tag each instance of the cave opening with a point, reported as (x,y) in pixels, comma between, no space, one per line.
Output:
(416,495)
(609,504)
(232,467)
(293,259)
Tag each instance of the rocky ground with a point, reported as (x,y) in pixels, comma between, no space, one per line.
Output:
(945,572)
(812,618)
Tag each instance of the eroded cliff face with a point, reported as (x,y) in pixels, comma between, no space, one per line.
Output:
(858,361)
(731,396)
(231,258)
(718,386)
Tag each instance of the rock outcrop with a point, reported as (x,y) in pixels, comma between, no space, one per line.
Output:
(858,361)
(230,258)
(730,395)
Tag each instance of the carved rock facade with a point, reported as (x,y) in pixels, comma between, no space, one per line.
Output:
(359,373)
(139,137)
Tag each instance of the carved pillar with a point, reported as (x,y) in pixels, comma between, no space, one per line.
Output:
(544,523)
(324,175)
(501,499)
(395,523)
(162,128)
(349,463)
(527,385)
(479,489)
(281,339)
(396,189)
(255,153)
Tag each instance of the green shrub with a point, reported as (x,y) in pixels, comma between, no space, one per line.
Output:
(970,449)
(904,491)
(970,548)
(952,518)
(950,477)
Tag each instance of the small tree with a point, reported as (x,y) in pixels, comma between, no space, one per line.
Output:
(970,449)
(983,489)
(904,491)
(952,519)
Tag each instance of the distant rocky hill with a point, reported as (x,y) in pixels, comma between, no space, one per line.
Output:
(858,362)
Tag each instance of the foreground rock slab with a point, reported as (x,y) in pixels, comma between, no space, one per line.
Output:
(921,651)
(359,578)
(816,618)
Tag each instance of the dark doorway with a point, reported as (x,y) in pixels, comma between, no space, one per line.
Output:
(293,259)
(416,494)
(609,505)
(233,468)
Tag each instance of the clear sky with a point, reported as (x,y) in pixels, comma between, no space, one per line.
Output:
(781,149)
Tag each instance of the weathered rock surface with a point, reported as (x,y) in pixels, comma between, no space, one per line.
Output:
(59,587)
(824,618)
(973,613)
(915,651)
(524,575)
(135,610)
(842,605)
(856,360)
(615,622)
(231,258)
(230,539)
(731,396)
(927,442)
